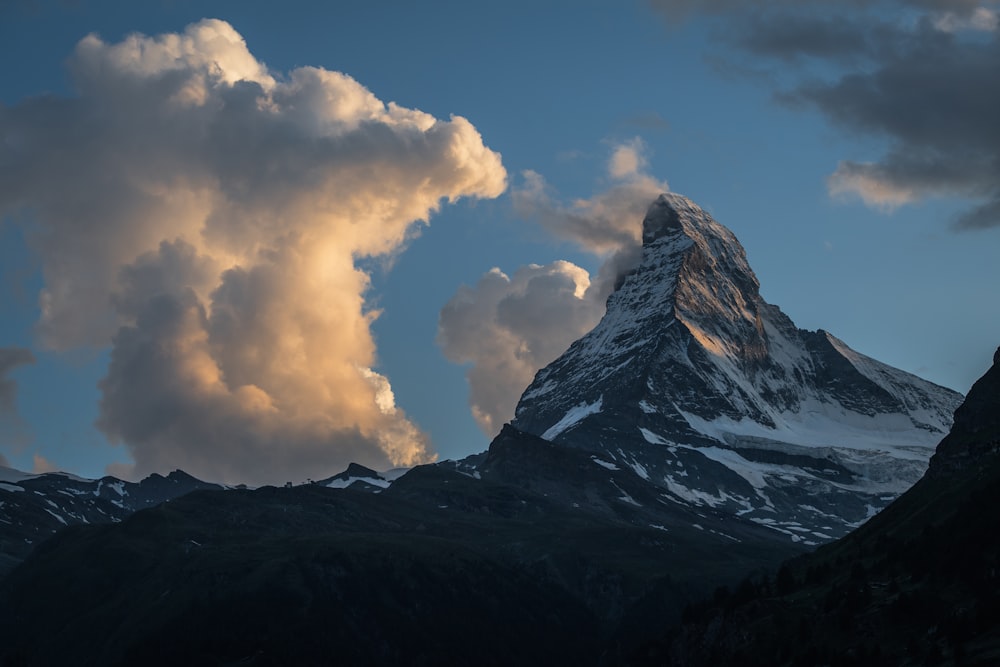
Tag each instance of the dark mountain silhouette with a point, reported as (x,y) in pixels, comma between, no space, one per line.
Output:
(695,436)
(919,584)
(544,556)
(34,507)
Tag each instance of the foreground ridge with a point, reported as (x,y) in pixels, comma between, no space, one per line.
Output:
(917,585)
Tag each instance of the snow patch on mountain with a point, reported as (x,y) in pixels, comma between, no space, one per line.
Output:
(604,464)
(723,402)
(822,424)
(344,483)
(573,416)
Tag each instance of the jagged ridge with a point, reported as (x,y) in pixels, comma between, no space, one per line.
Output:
(723,401)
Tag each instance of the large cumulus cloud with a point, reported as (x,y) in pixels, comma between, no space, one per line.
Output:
(205,216)
(505,328)
(918,75)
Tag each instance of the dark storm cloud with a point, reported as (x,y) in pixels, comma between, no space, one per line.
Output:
(684,8)
(936,91)
(920,75)
(935,98)
(792,36)
(981,217)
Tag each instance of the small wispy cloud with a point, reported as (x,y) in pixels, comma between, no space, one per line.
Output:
(505,328)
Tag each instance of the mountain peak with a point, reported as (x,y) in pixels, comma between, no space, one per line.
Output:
(704,265)
(672,214)
(716,395)
(664,215)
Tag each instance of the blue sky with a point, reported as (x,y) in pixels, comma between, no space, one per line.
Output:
(857,176)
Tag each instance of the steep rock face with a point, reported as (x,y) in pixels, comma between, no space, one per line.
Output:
(918,584)
(975,434)
(720,400)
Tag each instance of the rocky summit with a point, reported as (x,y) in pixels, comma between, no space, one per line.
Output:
(714,396)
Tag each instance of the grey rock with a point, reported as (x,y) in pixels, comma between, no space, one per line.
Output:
(715,396)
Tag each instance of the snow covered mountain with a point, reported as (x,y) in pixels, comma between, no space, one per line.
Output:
(920,579)
(713,395)
(33,507)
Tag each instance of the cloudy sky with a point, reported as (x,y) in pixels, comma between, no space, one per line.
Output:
(257,241)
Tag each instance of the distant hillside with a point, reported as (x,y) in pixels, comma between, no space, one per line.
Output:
(542,556)
(34,507)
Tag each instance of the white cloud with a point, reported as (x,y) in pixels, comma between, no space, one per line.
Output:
(866,180)
(627,159)
(506,328)
(606,222)
(203,216)
(982,19)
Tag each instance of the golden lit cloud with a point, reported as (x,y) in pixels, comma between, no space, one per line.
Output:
(507,328)
(866,181)
(627,159)
(204,216)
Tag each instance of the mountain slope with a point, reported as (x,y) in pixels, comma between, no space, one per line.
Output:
(33,507)
(724,403)
(542,555)
(918,584)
